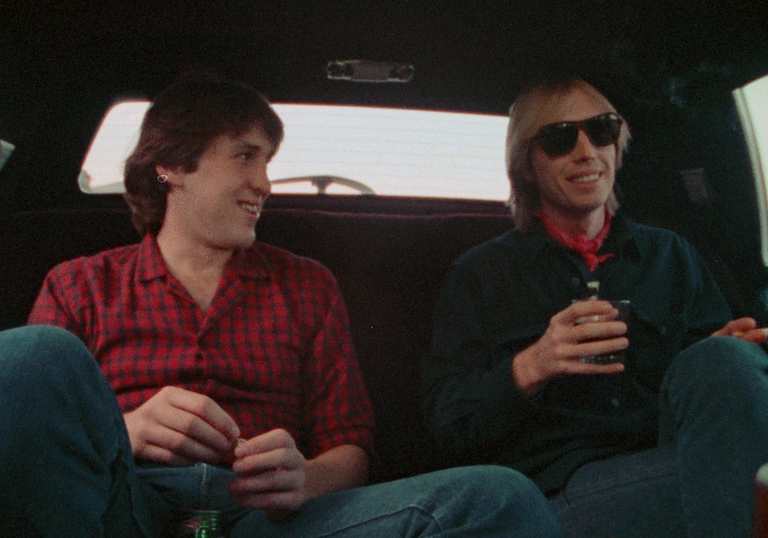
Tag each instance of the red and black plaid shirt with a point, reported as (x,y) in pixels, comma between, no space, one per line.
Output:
(273,349)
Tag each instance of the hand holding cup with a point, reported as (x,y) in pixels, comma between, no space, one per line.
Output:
(623,309)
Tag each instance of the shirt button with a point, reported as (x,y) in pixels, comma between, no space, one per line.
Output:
(615,402)
(575,281)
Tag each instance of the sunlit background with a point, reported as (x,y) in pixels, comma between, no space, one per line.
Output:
(752,103)
(390,151)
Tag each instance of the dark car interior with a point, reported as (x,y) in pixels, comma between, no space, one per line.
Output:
(669,67)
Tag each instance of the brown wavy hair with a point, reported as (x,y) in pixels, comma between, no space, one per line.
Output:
(181,123)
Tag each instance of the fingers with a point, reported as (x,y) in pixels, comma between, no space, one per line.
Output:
(584,311)
(604,346)
(274,483)
(745,328)
(736,327)
(595,332)
(189,436)
(742,324)
(273,450)
(166,456)
(756,336)
(271,472)
(179,427)
(586,328)
(200,418)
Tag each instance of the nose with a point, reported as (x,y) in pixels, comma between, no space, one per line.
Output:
(259,180)
(584,148)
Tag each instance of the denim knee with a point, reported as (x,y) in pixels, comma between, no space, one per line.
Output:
(39,350)
(488,501)
(701,383)
(44,371)
(498,497)
(491,484)
(712,411)
(717,363)
(63,439)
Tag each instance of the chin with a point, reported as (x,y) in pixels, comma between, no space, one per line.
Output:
(239,243)
(246,243)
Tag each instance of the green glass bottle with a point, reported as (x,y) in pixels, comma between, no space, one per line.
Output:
(203,524)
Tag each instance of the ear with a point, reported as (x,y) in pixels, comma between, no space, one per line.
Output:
(172,174)
(162,170)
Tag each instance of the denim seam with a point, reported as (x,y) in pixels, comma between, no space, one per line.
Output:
(577,517)
(605,485)
(418,509)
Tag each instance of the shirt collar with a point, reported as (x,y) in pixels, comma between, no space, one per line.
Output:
(246,263)
(620,239)
(250,262)
(150,261)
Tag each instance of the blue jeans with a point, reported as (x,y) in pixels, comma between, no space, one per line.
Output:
(66,469)
(467,501)
(699,482)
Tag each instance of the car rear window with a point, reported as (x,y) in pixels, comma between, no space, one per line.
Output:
(752,104)
(346,150)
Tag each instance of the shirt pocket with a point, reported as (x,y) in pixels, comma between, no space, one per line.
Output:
(655,338)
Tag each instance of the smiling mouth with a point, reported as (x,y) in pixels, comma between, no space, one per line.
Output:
(586,179)
(254,208)
(251,208)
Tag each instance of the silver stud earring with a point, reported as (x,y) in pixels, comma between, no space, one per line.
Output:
(162,178)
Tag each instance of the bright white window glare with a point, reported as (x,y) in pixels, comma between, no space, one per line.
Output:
(6,148)
(102,171)
(752,104)
(395,151)
(389,151)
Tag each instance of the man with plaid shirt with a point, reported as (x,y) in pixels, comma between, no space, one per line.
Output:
(228,365)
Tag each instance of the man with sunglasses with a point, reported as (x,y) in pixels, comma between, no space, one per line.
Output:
(664,442)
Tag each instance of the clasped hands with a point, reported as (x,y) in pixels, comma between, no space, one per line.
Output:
(178,427)
(556,354)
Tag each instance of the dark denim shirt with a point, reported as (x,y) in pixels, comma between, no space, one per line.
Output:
(498,299)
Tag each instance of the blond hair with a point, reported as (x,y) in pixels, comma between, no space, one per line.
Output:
(534,107)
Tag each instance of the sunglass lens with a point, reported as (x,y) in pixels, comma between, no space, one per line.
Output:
(558,139)
(603,130)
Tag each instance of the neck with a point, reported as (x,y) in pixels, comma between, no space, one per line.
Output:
(180,252)
(584,225)
(198,268)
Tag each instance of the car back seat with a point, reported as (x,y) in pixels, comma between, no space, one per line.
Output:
(389,269)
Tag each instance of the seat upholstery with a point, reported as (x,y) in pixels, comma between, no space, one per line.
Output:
(389,269)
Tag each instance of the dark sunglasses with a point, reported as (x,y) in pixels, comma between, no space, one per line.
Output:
(560,138)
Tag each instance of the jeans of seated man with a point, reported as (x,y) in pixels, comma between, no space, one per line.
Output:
(477,501)
(66,469)
(700,481)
